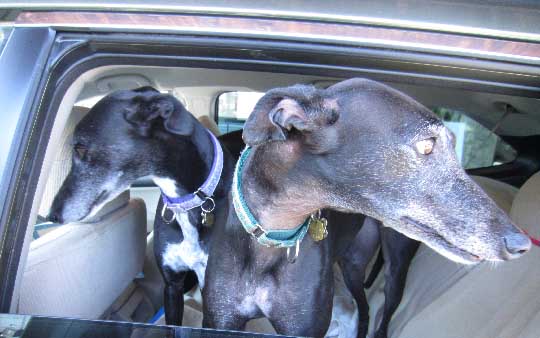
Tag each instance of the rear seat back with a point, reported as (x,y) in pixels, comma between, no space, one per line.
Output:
(526,208)
(79,269)
(444,299)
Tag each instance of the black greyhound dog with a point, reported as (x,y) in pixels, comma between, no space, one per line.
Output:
(358,146)
(135,133)
(396,250)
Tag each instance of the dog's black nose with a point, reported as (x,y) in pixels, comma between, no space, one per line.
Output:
(516,244)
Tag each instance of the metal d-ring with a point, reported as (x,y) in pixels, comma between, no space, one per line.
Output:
(163,211)
(296,252)
(316,215)
(211,207)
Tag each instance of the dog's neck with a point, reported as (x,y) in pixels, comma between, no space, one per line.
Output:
(276,189)
(177,182)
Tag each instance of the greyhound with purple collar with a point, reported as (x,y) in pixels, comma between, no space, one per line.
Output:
(356,147)
(130,134)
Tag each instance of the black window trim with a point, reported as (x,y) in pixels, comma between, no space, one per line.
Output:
(216,105)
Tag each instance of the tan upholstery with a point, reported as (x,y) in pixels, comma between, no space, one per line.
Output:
(503,194)
(526,208)
(209,124)
(79,269)
(443,299)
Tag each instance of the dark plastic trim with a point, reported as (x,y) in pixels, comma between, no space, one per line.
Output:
(22,65)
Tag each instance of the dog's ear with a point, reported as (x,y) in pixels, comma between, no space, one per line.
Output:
(284,110)
(151,107)
(272,118)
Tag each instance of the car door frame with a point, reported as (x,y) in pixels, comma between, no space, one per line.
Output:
(66,53)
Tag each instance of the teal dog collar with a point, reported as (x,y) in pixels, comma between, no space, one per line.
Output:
(270,238)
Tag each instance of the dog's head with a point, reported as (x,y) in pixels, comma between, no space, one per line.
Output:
(127,135)
(365,147)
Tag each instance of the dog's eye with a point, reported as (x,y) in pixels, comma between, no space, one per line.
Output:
(80,150)
(425,147)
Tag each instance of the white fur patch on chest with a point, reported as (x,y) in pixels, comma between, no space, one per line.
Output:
(259,300)
(188,254)
(167,185)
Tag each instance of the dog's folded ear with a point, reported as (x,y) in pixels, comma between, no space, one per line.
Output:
(276,114)
(272,120)
(151,107)
(282,111)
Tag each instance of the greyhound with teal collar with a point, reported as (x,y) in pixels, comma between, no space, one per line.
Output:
(356,147)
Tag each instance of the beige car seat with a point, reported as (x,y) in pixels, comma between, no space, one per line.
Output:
(79,269)
(209,124)
(444,299)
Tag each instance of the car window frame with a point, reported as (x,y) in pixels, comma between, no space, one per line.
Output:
(75,52)
(27,70)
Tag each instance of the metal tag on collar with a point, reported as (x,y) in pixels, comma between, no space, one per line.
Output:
(207,218)
(292,259)
(207,208)
(318,227)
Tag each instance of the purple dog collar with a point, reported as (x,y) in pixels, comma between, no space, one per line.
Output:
(206,190)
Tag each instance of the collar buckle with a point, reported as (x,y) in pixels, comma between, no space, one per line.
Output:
(201,194)
(257,231)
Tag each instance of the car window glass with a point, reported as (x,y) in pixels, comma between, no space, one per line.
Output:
(476,146)
(233,109)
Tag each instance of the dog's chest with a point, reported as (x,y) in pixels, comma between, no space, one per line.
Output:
(256,300)
(188,254)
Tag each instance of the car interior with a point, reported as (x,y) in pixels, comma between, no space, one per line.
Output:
(104,268)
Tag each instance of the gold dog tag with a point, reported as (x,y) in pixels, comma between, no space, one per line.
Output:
(317,228)
(207,218)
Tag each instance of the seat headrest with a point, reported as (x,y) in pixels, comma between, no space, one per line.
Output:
(525,210)
(111,206)
(501,193)
(209,124)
